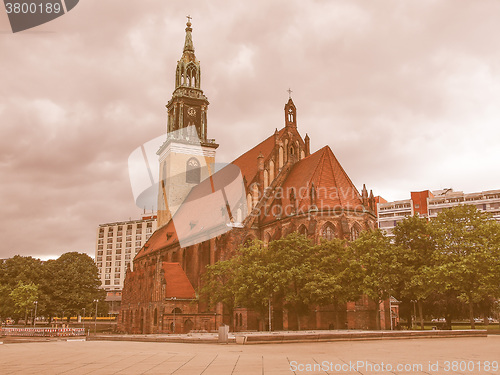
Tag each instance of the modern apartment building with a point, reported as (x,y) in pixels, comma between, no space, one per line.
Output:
(116,246)
(429,204)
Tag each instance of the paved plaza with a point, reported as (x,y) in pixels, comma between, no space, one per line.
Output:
(474,355)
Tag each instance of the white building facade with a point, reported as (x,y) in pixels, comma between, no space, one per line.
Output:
(429,204)
(116,246)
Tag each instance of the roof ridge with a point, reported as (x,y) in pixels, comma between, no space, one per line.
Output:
(343,172)
(319,165)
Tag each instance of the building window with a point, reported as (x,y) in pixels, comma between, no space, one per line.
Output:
(118,263)
(354,233)
(127,256)
(109,257)
(108,264)
(193,171)
(99,259)
(107,282)
(110,246)
(100,247)
(328,232)
(119,251)
(137,243)
(99,252)
(118,257)
(110,240)
(138,238)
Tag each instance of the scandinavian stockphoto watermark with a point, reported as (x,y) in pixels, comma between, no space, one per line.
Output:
(26,14)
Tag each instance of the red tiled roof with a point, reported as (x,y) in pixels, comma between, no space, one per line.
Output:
(161,238)
(334,188)
(248,161)
(178,284)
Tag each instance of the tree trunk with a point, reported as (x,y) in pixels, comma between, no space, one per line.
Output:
(448,321)
(471,315)
(486,322)
(420,314)
(409,318)
(377,316)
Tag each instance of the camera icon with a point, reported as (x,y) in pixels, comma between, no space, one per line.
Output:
(171,175)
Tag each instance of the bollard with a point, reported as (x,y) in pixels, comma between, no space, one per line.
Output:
(223,334)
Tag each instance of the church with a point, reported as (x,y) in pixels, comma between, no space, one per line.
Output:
(277,187)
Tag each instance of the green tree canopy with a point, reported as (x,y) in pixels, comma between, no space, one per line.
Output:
(380,263)
(468,254)
(416,255)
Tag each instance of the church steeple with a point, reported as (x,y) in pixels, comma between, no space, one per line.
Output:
(187,157)
(290,114)
(188,105)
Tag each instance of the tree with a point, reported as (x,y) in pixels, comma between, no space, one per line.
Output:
(416,255)
(219,285)
(336,277)
(380,265)
(24,296)
(289,270)
(73,283)
(253,282)
(468,245)
(12,271)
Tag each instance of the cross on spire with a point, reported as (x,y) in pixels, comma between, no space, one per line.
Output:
(289,93)
(189,18)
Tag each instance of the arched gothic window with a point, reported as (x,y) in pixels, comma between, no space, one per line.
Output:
(328,231)
(354,233)
(193,171)
(303,230)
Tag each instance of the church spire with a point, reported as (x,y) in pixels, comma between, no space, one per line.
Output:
(188,105)
(188,44)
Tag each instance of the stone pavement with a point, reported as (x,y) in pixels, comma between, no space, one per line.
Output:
(422,356)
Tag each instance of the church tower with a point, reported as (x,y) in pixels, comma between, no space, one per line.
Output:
(187,156)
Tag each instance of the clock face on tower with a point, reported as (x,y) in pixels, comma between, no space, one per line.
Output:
(191,111)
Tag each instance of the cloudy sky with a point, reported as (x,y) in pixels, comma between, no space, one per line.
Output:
(406,93)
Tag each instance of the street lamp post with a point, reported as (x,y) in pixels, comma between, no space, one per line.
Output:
(83,319)
(34,320)
(95,321)
(414,312)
